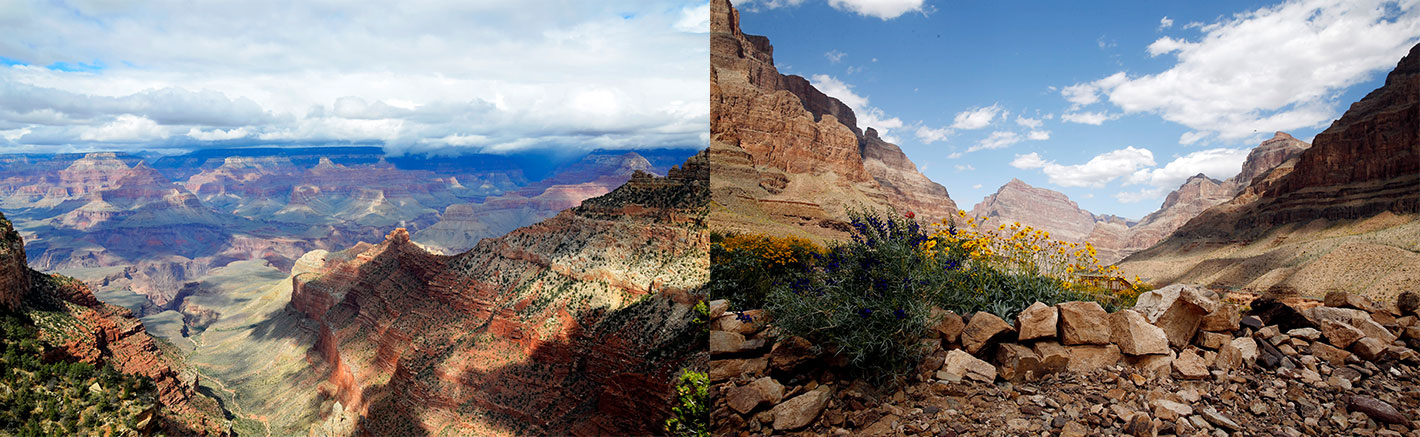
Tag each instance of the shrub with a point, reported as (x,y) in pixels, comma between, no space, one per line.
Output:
(743,267)
(690,416)
(868,298)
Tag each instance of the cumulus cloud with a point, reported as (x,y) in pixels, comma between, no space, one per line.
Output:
(834,56)
(1221,163)
(977,118)
(931,135)
(1275,68)
(1091,118)
(1097,172)
(172,74)
(884,9)
(868,116)
(997,140)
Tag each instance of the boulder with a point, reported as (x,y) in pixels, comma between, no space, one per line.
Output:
(764,390)
(1226,318)
(718,307)
(1189,365)
(1140,426)
(801,410)
(1018,363)
(1369,348)
(1178,309)
(1083,323)
(1412,332)
(949,325)
(1354,317)
(721,370)
(1156,365)
(1087,358)
(1135,336)
(725,342)
(1376,409)
(983,329)
(790,352)
(1247,350)
(1340,334)
(1332,354)
(1053,356)
(962,365)
(1275,312)
(1341,299)
(1211,340)
(1229,357)
(1409,303)
(1308,334)
(1037,321)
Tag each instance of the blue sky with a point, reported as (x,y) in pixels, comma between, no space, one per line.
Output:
(1113,103)
(442,76)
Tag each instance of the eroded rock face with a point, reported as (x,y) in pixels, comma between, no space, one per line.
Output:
(787,154)
(1359,176)
(14,274)
(574,325)
(1037,207)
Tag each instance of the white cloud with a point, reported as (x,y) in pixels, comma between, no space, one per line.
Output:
(694,19)
(1191,137)
(1084,94)
(218,134)
(954,155)
(581,75)
(1091,118)
(755,5)
(966,167)
(1219,163)
(1097,172)
(868,116)
(1033,123)
(976,187)
(996,140)
(1276,68)
(1038,135)
(1141,195)
(884,9)
(124,129)
(1165,23)
(834,56)
(976,118)
(931,135)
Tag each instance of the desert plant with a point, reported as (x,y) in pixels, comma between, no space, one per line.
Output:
(743,267)
(867,299)
(690,415)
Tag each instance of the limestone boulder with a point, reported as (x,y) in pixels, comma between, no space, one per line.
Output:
(1083,323)
(984,329)
(1036,322)
(1135,336)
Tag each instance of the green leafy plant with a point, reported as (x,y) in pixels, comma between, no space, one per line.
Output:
(690,415)
(744,267)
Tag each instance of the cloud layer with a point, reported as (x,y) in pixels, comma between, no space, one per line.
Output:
(427,76)
(1222,85)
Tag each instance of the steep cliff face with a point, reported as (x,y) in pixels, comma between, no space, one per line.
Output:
(75,326)
(1341,215)
(1038,207)
(789,159)
(574,325)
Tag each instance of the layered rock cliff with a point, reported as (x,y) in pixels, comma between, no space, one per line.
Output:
(1341,215)
(789,159)
(74,326)
(575,325)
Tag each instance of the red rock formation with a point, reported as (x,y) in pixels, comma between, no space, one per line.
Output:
(575,325)
(1041,208)
(1360,176)
(790,159)
(98,333)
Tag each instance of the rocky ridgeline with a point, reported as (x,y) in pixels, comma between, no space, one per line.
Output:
(1181,362)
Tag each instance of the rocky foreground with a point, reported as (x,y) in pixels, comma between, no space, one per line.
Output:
(1183,361)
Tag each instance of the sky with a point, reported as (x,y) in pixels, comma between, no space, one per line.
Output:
(1114,103)
(443,77)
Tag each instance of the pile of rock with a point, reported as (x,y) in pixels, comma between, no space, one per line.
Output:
(1181,361)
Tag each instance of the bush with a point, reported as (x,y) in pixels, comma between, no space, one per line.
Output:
(691,414)
(868,298)
(744,267)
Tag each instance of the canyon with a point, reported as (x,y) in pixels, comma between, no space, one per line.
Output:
(1344,215)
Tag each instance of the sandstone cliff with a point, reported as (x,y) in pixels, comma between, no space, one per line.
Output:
(575,325)
(1340,216)
(789,159)
(75,326)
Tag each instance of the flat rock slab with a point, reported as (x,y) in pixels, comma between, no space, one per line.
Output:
(1376,409)
(801,410)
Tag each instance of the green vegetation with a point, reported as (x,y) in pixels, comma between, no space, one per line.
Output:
(870,299)
(690,413)
(44,397)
